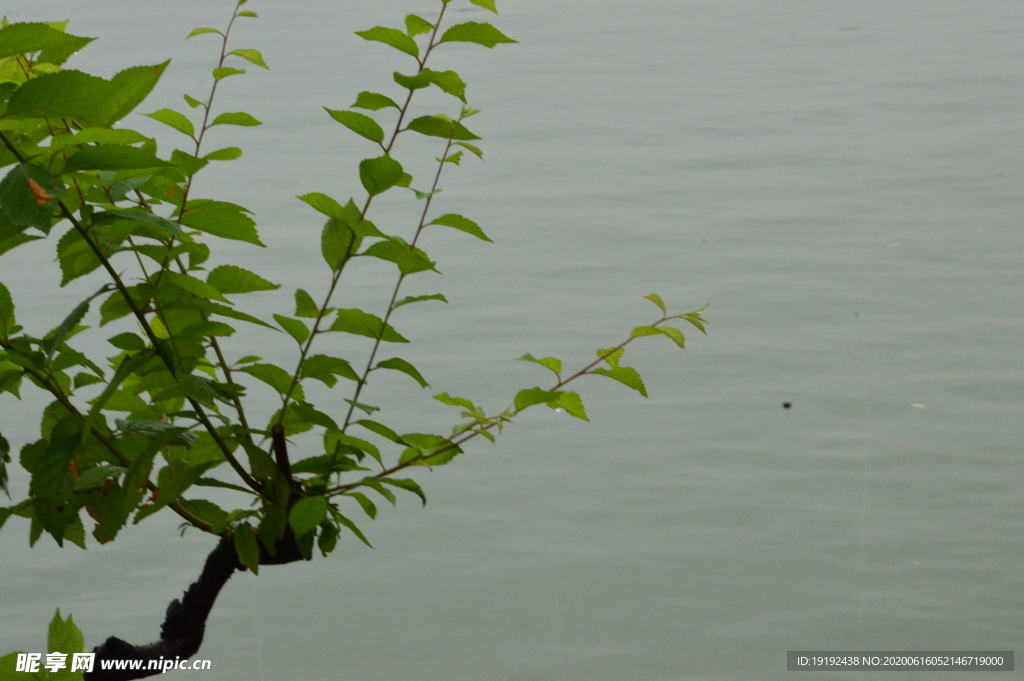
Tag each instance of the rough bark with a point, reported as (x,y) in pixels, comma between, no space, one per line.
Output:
(185,623)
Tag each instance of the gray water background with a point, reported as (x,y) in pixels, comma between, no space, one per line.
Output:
(841,180)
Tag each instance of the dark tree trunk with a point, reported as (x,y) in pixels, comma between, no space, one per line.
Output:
(182,631)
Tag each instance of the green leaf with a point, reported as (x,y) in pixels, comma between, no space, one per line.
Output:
(28,196)
(364,324)
(253,56)
(324,369)
(233,279)
(407,485)
(24,38)
(200,31)
(572,404)
(368,506)
(532,396)
(112,157)
(307,514)
(225,154)
(486,4)
(187,163)
(416,82)
(379,174)
(445,398)
(96,135)
(393,37)
(322,203)
(196,287)
(222,72)
(127,341)
(274,376)
(7,319)
(675,334)
(448,81)
(417,299)
(399,364)
(358,123)
(192,101)
(552,363)
(64,637)
(223,219)
(656,299)
(247,548)
(337,243)
(128,89)
(174,119)
(415,25)
(462,224)
(236,118)
(162,224)
(382,430)
(368,409)
(440,126)
(97,477)
(350,525)
(408,258)
(625,375)
(475,32)
(249,14)
(474,149)
(67,93)
(373,101)
(611,355)
(295,328)
(305,306)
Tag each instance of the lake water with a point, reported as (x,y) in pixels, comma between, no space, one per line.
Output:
(842,181)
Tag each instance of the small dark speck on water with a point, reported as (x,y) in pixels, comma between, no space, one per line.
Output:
(787,405)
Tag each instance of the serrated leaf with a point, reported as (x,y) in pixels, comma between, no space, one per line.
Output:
(358,123)
(337,243)
(656,299)
(322,203)
(305,306)
(373,101)
(67,93)
(416,82)
(174,119)
(379,174)
(448,81)
(196,287)
(475,32)
(234,279)
(222,72)
(552,363)
(223,219)
(225,154)
(675,334)
(350,525)
(532,396)
(571,403)
(393,37)
(200,31)
(382,430)
(63,636)
(363,324)
(473,148)
(611,355)
(28,196)
(274,376)
(417,299)
(253,56)
(486,4)
(161,223)
(305,515)
(399,364)
(127,341)
(235,118)
(440,126)
(415,25)
(462,224)
(323,368)
(7,318)
(627,376)
(409,259)
(27,37)
(445,398)
(247,548)
(294,328)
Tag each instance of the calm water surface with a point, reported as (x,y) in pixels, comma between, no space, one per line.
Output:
(842,181)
